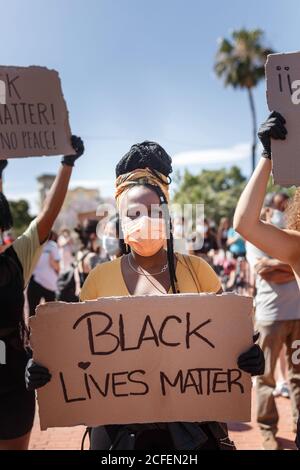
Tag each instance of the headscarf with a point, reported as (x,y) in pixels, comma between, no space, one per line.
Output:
(141,176)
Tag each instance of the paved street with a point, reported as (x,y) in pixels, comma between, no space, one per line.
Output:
(245,436)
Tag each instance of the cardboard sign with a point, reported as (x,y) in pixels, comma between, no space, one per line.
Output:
(144,359)
(283,95)
(33,113)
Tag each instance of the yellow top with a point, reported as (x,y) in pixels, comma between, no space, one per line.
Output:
(193,274)
(28,249)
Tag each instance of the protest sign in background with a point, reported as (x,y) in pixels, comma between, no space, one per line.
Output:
(144,359)
(283,95)
(33,113)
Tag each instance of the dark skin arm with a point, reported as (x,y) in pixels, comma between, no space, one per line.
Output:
(53,202)
(56,196)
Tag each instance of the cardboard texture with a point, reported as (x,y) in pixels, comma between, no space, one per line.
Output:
(283,95)
(144,359)
(33,113)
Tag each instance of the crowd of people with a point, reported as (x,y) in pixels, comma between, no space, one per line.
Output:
(80,249)
(257,253)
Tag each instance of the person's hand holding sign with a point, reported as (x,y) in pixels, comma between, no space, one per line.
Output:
(253,360)
(273,128)
(78,146)
(36,376)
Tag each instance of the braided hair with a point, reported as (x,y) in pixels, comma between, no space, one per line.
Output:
(145,155)
(151,155)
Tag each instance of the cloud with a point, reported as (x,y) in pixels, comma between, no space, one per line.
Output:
(213,155)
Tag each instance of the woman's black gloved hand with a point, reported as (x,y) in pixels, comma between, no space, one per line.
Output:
(36,376)
(3,165)
(253,360)
(78,146)
(273,128)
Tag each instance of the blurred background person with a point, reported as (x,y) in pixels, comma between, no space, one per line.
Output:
(66,249)
(235,243)
(43,282)
(222,233)
(203,242)
(180,235)
(279,204)
(111,242)
(90,253)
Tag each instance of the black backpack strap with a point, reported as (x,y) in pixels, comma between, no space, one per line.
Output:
(86,432)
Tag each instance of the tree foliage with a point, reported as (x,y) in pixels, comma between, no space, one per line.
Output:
(21,216)
(219,190)
(240,62)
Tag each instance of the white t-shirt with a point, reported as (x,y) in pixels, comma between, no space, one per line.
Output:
(44,274)
(66,248)
(274,302)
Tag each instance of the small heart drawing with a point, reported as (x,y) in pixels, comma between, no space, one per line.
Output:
(84,365)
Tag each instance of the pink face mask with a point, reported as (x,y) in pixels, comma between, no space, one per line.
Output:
(145,235)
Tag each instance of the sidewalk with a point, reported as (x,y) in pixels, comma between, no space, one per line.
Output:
(245,435)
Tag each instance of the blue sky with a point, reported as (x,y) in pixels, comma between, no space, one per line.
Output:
(138,69)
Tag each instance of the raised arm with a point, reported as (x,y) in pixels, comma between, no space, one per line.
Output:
(56,196)
(281,244)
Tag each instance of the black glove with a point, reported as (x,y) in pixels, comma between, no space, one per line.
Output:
(252,361)
(272,127)
(3,164)
(78,146)
(36,376)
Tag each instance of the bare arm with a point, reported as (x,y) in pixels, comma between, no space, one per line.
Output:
(54,264)
(277,276)
(53,202)
(285,243)
(272,264)
(281,244)
(56,196)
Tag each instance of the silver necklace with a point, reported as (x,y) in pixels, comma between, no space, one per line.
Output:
(143,273)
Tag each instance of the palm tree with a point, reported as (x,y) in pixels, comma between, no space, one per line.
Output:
(241,63)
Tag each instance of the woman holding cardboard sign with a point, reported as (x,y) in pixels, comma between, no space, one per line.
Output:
(150,266)
(277,243)
(17,405)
